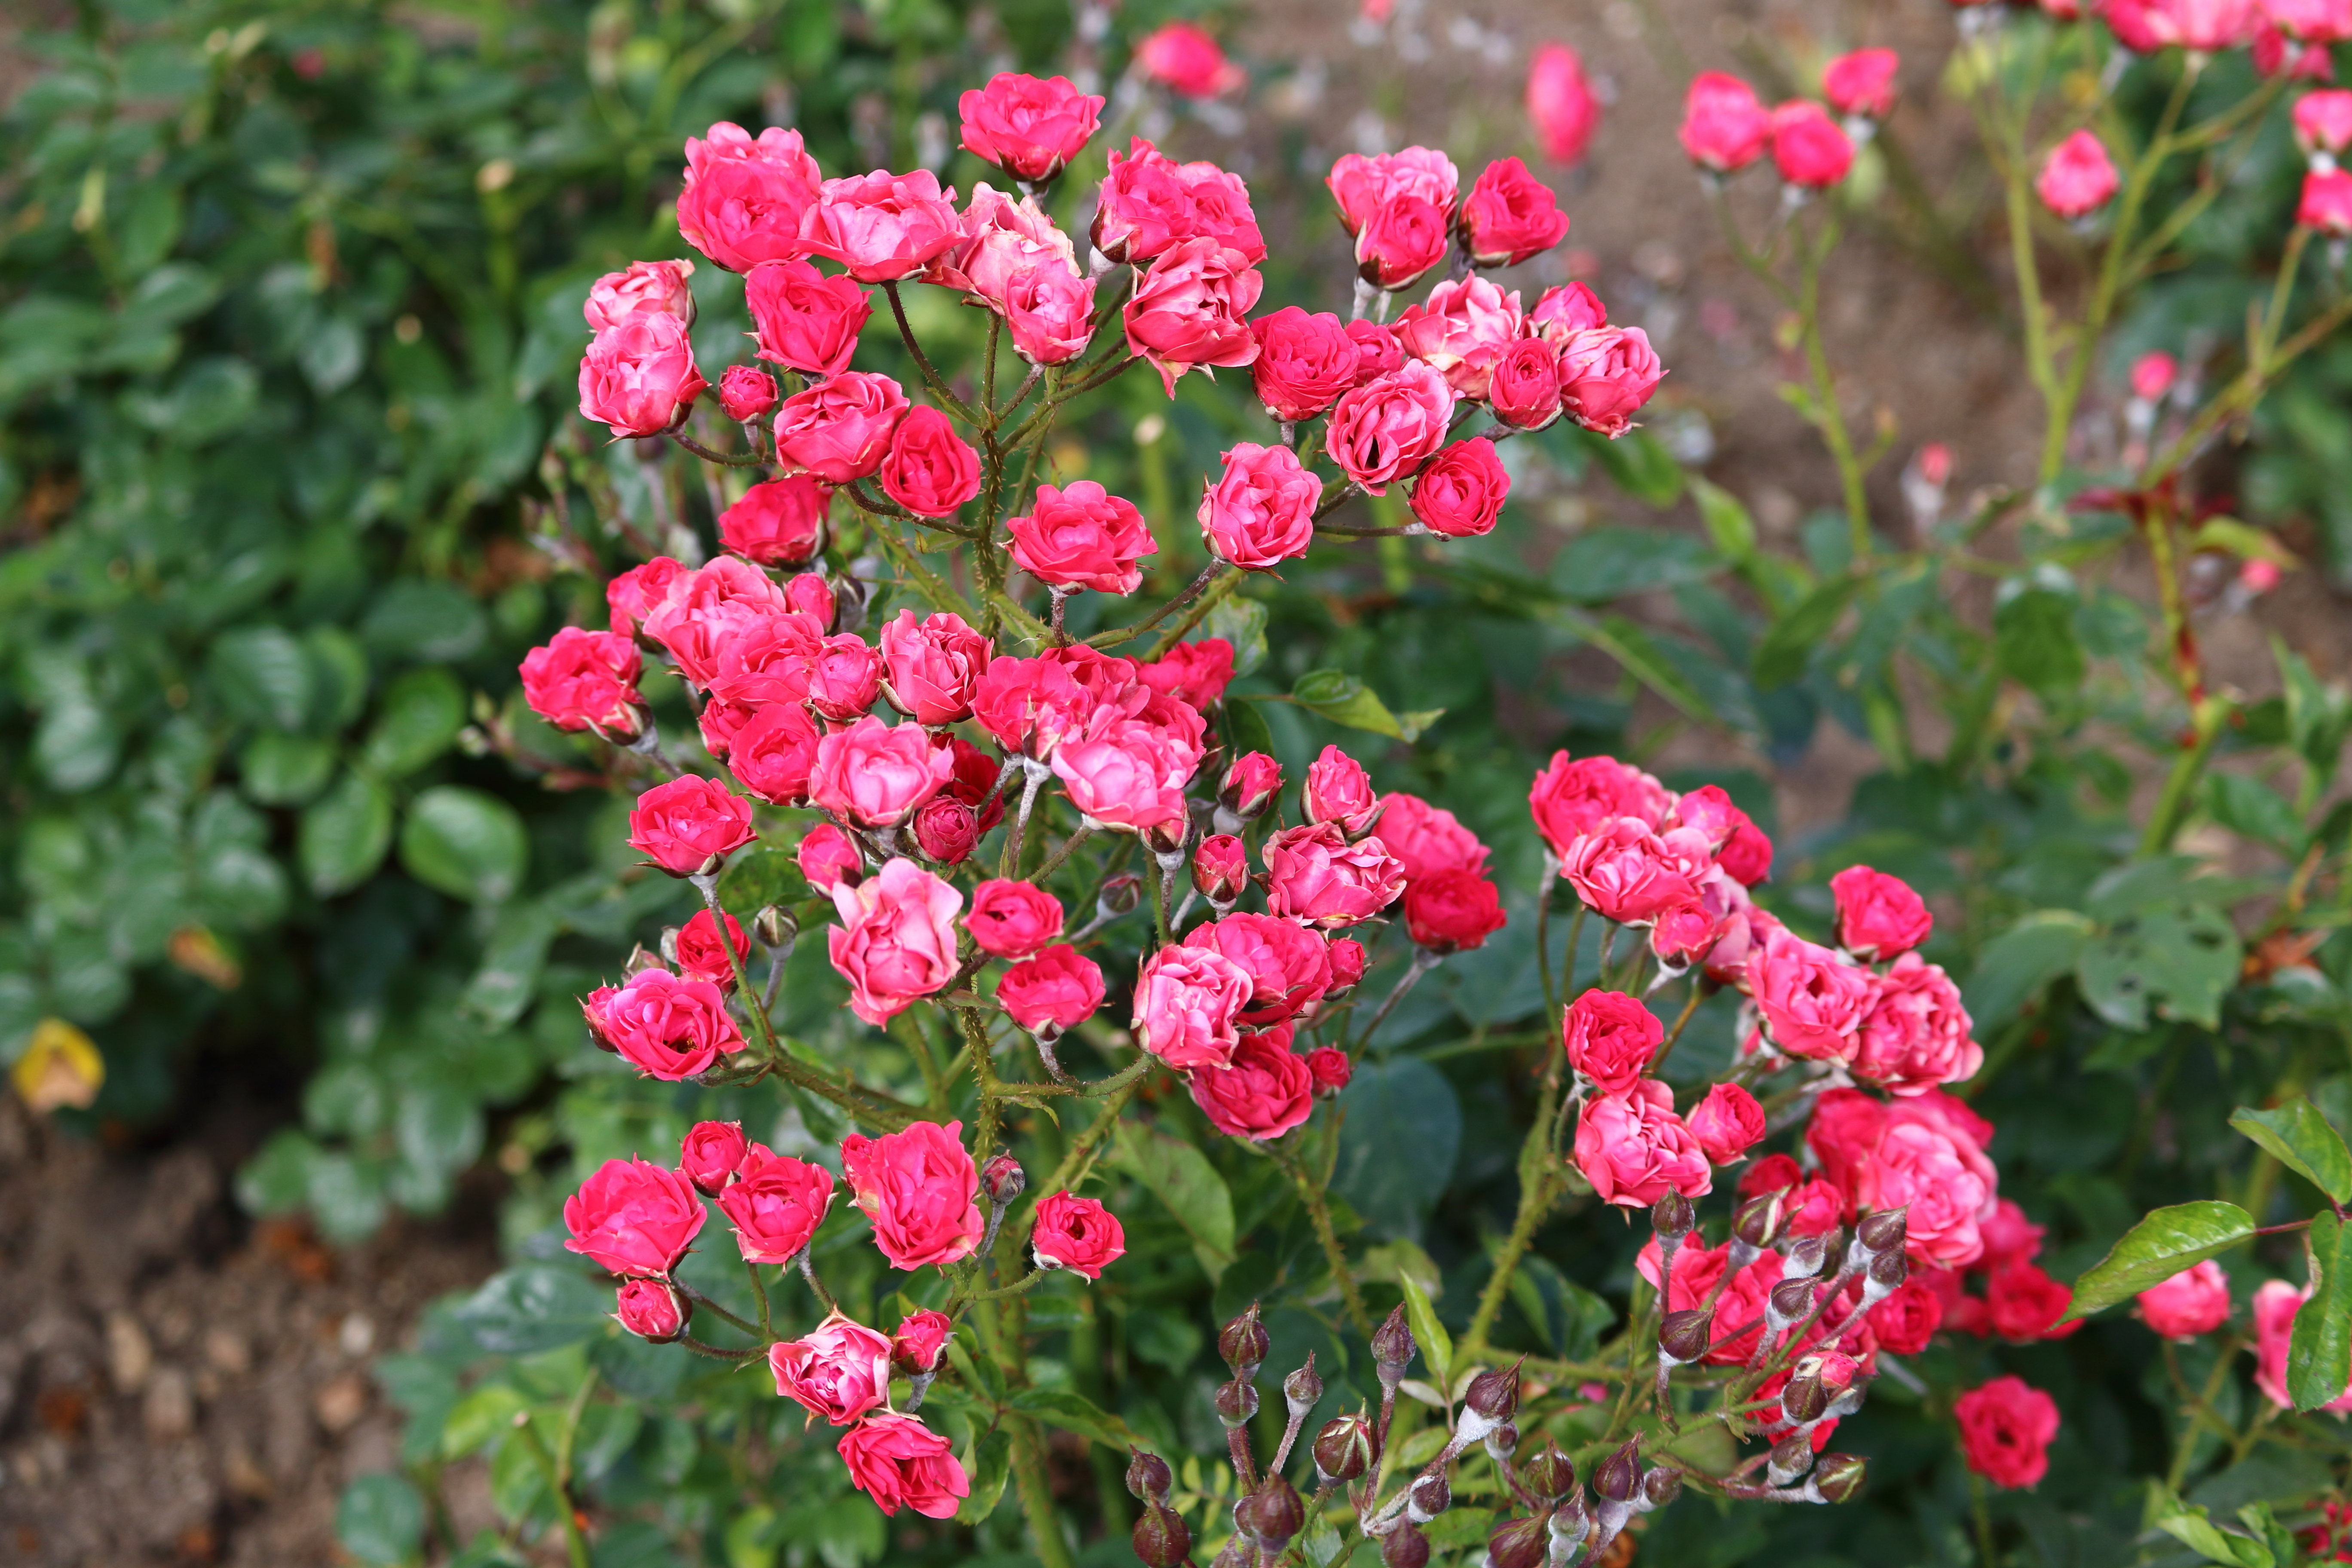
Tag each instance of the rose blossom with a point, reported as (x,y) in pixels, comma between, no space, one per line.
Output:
(1405,237)
(1812,1003)
(1728,1122)
(1916,1034)
(1878,916)
(1191,309)
(1571,308)
(1510,216)
(1030,128)
(838,1370)
(2326,204)
(1221,870)
(809,594)
(1560,104)
(918,1186)
(1315,875)
(646,287)
(650,1309)
(1626,873)
(1130,773)
(945,830)
(828,857)
(766,657)
(933,664)
(2005,1431)
(1185,59)
(1050,310)
(900,1463)
(2323,121)
(2024,1304)
(1261,510)
(638,375)
(882,226)
(1610,1038)
(638,593)
(1148,204)
(1905,1321)
(1427,840)
(1460,492)
(1304,361)
(921,1340)
(778,522)
(1808,148)
(1606,374)
(1378,352)
(804,320)
(2077,177)
(1338,791)
(2275,1304)
(1362,184)
(1076,1234)
(1058,989)
(708,1155)
(1081,537)
(1524,390)
(1265,1091)
(633,1217)
(584,679)
(1187,1002)
(1452,911)
(773,754)
(1388,427)
(745,394)
(1012,920)
(1921,1153)
(1633,1149)
(840,429)
(1029,705)
(875,774)
(1724,127)
(1696,1269)
(897,940)
(667,1027)
(1462,329)
(1570,798)
(1289,966)
(2008,1235)
(699,954)
(744,199)
(1194,673)
(776,1204)
(689,824)
(1862,83)
(2192,1302)
(2310,21)
(928,468)
(1332,1069)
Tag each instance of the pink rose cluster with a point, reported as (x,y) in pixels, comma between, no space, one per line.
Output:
(1726,127)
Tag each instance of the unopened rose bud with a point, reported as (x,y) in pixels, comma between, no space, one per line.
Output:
(1788,1301)
(1250,786)
(947,831)
(1661,1486)
(1118,896)
(1346,966)
(775,926)
(1221,871)
(629,722)
(1404,1547)
(1301,1389)
(1849,1398)
(1756,1223)
(1838,1477)
(1343,1449)
(1429,1496)
(1166,840)
(1570,1524)
(1672,1217)
(1393,1348)
(1236,1403)
(1518,1543)
(1548,1473)
(1884,1276)
(1883,1231)
(653,1309)
(1804,1401)
(1161,1539)
(1272,1513)
(1243,1342)
(640,959)
(1148,1476)
(1684,1336)
(1808,1256)
(1002,1179)
(1495,1395)
(1791,1457)
(1619,1477)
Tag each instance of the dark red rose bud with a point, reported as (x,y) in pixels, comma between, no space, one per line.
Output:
(1888,1271)
(1503,1440)
(1518,1543)
(1791,1457)
(1302,1388)
(1838,1477)
(1548,1473)
(1343,1449)
(1619,1477)
(1161,1538)
(1495,1395)
(1148,1476)
(1661,1485)
(1404,1547)
(1789,1299)
(1272,1513)
(1756,1222)
(1809,1256)
(1393,1347)
(775,926)
(1243,1342)
(1236,1403)
(1684,1336)
(1882,1232)
(1430,1495)
(1117,895)
(1804,1400)
(1672,1217)
(1002,1179)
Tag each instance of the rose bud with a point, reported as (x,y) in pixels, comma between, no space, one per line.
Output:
(1518,1543)
(1076,1234)
(1236,1403)
(1804,1401)
(1561,103)
(1548,1473)
(946,830)
(1808,1256)
(1148,1478)
(1243,1342)
(1460,493)
(1790,1458)
(813,596)
(1495,1395)
(1220,871)
(690,825)
(1508,215)
(1271,1515)
(1671,1216)
(1393,1348)
(1524,390)
(1002,1179)
(1724,127)
(1304,362)
(1757,1223)
(2078,178)
(2326,205)
(921,1340)
(1661,1486)
(1808,147)
(1501,1441)
(1332,1069)
(1884,1276)
(653,1309)
(1618,1478)
(928,468)
(1570,1525)
(828,857)
(1301,1389)
(745,394)
(1340,792)
(775,926)
(1882,1232)
(1427,1498)
(1684,1336)
(1407,236)
(711,1153)
(1343,1449)
(1404,1546)
(699,956)
(1118,896)
(1347,960)
(1161,1540)
(1838,1477)
(1785,1303)
(1250,786)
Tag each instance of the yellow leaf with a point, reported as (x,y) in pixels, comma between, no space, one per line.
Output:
(60,1067)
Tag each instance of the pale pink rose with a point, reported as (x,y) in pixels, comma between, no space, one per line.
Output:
(1427,840)
(1127,772)
(744,199)
(1626,873)
(1190,310)
(838,1370)
(896,941)
(882,226)
(1634,1150)
(1916,1034)
(1188,1000)
(1315,875)
(1462,329)
(996,233)
(646,286)
(874,775)
(638,375)
(1814,1002)
(933,665)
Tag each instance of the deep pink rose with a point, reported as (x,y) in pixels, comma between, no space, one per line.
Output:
(1129,773)
(1916,1034)
(1346,958)
(875,774)
(1606,374)
(1315,875)
(2078,178)
(709,1154)
(1338,791)
(646,285)
(1571,308)
(1626,873)
(1427,840)
(719,723)
(1633,1149)
(1362,184)
(802,319)
(1030,128)
(933,665)
(838,1370)
(1570,798)
(651,1309)
(1510,216)
(945,830)
(1610,1038)
(586,680)
(1331,1070)
(2323,121)
(1221,870)
(689,824)
(1378,352)
(1813,1002)
(744,199)
(767,659)
(1195,673)
(921,1340)
(2009,1233)
(1728,1122)
(1808,148)
(1723,126)
(1462,329)
(809,594)
(638,375)
(1405,237)
(900,1463)
(633,1217)
(1191,309)
(1261,510)
(745,394)
(635,594)
(839,430)
(1262,1093)
(828,857)
(708,607)
(917,1187)
(2326,205)
(1049,307)
(1560,104)
(2023,1303)
(1012,920)
(1058,989)
(1878,916)
(1141,208)
(2275,1304)
(845,678)
(664,1027)
(1304,361)
(1288,965)
(2006,1428)
(2192,1302)
(928,468)
(896,939)
(1739,1302)
(1905,1321)
(771,755)
(1250,785)
(778,522)
(1459,493)
(1184,58)
(1082,537)
(775,1203)
(882,226)
(1524,390)
(1918,1154)
(701,957)
(1029,705)
(1220,209)
(1862,83)
(1076,1234)
(1453,912)
(2310,21)
(1188,1000)
(1386,429)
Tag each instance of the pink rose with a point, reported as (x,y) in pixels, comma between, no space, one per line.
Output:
(1606,374)
(1081,537)
(1076,1234)
(1331,1070)
(1459,493)
(1812,1003)
(2078,178)
(638,375)
(2008,1235)
(635,594)
(773,754)
(1402,239)
(1453,912)
(1191,309)
(945,830)
(1262,1093)
(933,665)
(1315,875)
(1610,1038)
(1261,511)
(2006,1428)
(778,522)
(743,199)
(843,678)
(2025,1303)
(1188,1000)
(840,429)
(1289,966)
(586,680)
(688,826)
(1739,1303)
(664,1027)
(1524,390)
(1388,427)
(1184,58)
(2310,21)
(1462,329)
(1560,104)
(1141,208)
(657,287)
(1633,1149)
(1878,916)
(708,1155)
(770,659)
(1509,214)
(1728,1122)
(882,226)
(1916,1033)
(1250,785)
(1194,673)
(1029,705)
(1050,310)
(896,939)
(1058,989)
(1808,148)
(633,1217)
(775,1203)
(700,955)
(1362,185)
(1304,362)
(1905,1321)
(828,857)
(1561,312)
(838,1370)
(2326,205)
(808,593)
(1221,870)
(706,608)
(917,1187)
(1724,127)
(1427,840)
(2275,1304)
(1128,773)
(997,236)
(900,1463)
(1914,1154)
(874,775)
(1378,352)
(1220,210)
(2323,121)
(719,723)
(652,1309)
(1624,872)
(921,1340)
(745,394)
(928,468)
(1028,128)
(804,320)
(1862,83)
(1347,960)
(2192,1302)
(1339,791)
(1570,798)
(1012,920)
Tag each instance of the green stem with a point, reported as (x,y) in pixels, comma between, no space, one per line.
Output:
(1319,1214)
(1037,1494)
(1535,1201)
(1828,417)
(931,377)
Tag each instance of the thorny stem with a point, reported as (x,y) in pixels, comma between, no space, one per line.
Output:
(724,459)
(931,377)
(1424,961)
(1682,1020)
(808,1272)
(1319,1214)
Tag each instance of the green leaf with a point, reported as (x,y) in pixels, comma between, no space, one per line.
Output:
(2194,1529)
(1436,1344)
(1401,1131)
(344,833)
(2301,1139)
(1076,1413)
(2252,809)
(1344,699)
(1609,562)
(1182,1178)
(522,1311)
(2182,961)
(422,713)
(1246,727)
(483,1418)
(262,676)
(503,986)
(380,1520)
(2319,1351)
(988,1467)
(2160,1247)
(465,844)
(1726,520)
(1787,646)
(1635,648)
(2015,965)
(2318,716)
(279,769)
(432,622)
(2034,644)
(1241,622)
(1640,465)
